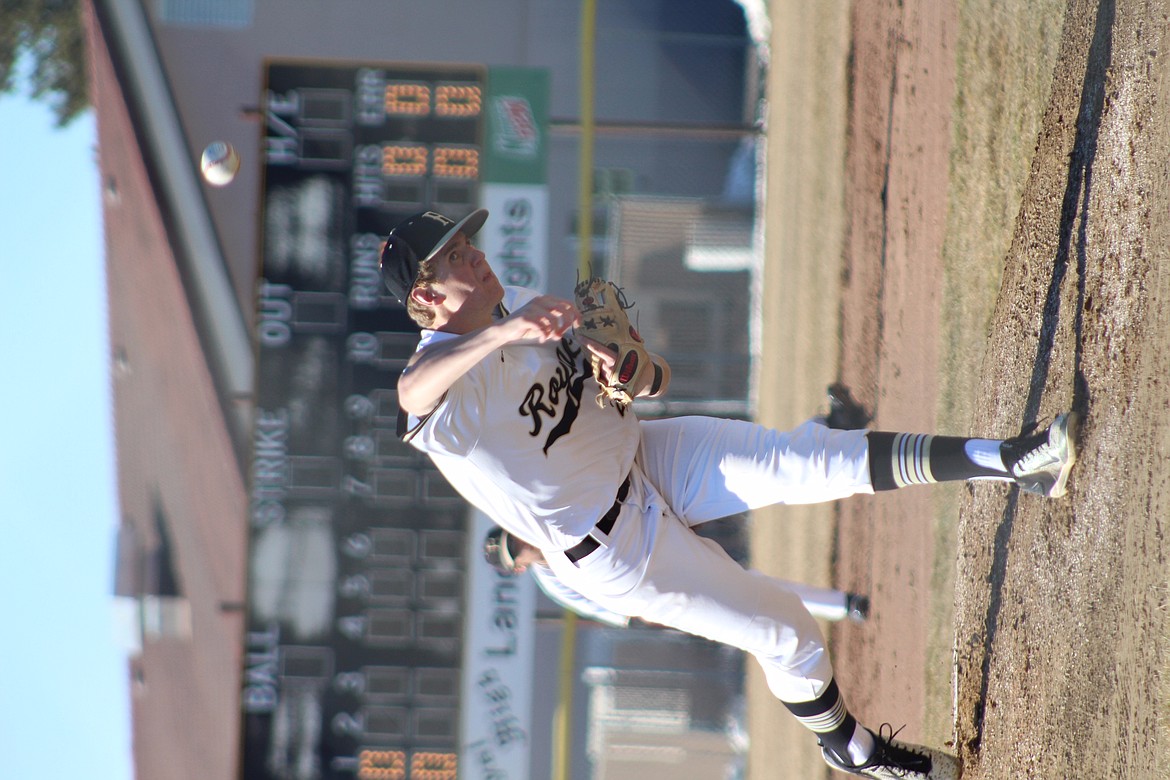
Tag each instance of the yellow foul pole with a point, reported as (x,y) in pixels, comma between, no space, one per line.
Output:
(585,161)
(562,720)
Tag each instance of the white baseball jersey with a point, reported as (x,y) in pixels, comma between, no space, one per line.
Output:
(521,437)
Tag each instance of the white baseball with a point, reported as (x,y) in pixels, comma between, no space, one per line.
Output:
(220,163)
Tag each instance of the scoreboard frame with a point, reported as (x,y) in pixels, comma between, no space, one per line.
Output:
(357,546)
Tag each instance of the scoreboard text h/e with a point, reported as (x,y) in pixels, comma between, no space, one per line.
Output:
(410,137)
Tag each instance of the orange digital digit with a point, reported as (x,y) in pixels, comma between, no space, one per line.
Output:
(458,100)
(381,765)
(408,98)
(404,160)
(434,766)
(456,162)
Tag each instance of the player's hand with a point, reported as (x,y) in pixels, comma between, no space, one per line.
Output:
(607,359)
(544,318)
(605,356)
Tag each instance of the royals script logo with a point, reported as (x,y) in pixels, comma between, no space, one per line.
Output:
(563,387)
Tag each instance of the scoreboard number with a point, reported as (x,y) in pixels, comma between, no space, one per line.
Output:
(444,162)
(382,765)
(392,765)
(458,100)
(419,99)
(434,766)
(404,160)
(456,162)
(408,98)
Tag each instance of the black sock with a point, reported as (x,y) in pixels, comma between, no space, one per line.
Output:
(827,717)
(900,459)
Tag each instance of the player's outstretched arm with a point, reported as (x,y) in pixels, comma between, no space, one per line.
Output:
(434,369)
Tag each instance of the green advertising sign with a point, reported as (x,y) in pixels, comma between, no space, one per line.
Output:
(515,150)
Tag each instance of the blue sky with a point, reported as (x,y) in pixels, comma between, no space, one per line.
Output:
(64,702)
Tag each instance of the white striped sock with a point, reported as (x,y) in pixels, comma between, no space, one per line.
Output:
(911,455)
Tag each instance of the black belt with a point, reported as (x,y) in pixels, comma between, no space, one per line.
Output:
(605,525)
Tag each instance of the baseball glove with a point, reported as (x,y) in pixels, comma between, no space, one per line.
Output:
(603,309)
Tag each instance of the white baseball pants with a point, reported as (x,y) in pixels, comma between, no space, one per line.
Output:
(690,470)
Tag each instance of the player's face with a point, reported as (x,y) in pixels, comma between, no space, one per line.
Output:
(464,278)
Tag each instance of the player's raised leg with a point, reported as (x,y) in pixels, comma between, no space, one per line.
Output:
(1038,462)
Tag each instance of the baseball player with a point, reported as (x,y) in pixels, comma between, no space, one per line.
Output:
(509,555)
(498,395)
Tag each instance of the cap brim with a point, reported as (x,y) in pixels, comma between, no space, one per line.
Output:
(468,226)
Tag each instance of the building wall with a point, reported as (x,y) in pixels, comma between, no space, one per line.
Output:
(176,465)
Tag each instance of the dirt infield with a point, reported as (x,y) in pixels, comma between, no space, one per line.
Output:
(968,220)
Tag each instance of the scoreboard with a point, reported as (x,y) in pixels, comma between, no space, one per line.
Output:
(357,544)
(409,137)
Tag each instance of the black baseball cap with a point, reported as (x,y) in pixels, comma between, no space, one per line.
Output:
(497,550)
(415,240)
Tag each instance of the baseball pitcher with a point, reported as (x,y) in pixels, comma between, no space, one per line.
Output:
(503,395)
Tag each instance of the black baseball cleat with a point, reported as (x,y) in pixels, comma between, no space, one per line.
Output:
(1040,463)
(844,412)
(894,760)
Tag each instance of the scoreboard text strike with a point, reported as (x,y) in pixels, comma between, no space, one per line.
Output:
(356,560)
